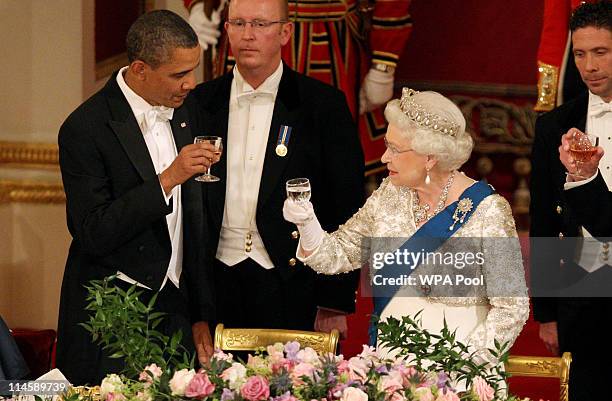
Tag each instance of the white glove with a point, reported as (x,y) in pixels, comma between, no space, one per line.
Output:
(206,29)
(303,216)
(376,90)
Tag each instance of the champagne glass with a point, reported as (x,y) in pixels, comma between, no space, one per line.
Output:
(582,148)
(217,142)
(298,189)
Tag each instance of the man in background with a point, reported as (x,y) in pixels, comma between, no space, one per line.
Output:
(564,256)
(278,125)
(353,45)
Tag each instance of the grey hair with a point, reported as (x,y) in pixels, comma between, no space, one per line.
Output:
(449,151)
(154,36)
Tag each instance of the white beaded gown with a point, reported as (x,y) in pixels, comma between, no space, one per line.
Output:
(496,310)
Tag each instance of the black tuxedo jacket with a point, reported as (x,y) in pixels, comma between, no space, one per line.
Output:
(596,212)
(324,147)
(555,232)
(116,213)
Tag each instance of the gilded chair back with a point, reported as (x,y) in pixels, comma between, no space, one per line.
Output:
(543,366)
(237,339)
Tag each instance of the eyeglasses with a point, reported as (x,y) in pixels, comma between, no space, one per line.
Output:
(256,24)
(393,150)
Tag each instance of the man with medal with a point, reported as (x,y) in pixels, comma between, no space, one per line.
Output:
(277,125)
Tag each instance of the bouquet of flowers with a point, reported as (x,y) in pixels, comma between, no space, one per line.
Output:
(158,369)
(289,373)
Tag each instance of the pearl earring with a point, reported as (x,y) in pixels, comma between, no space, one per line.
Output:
(427,179)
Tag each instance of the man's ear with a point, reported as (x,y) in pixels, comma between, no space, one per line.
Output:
(286,32)
(138,69)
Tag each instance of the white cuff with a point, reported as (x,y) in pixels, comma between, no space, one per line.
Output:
(575,184)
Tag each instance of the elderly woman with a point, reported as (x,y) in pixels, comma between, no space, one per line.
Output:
(426,207)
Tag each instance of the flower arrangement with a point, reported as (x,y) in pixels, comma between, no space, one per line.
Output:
(289,373)
(281,372)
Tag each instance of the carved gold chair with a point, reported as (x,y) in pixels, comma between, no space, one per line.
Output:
(252,339)
(543,366)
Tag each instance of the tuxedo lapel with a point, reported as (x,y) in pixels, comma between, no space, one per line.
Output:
(215,122)
(578,114)
(128,132)
(181,128)
(286,113)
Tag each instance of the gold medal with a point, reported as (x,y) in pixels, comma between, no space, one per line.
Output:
(281,150)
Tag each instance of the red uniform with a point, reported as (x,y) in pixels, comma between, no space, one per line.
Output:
(553,51)
(329,45)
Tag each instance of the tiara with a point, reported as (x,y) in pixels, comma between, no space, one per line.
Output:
(421,117)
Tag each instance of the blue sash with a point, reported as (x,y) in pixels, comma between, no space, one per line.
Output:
(429,237)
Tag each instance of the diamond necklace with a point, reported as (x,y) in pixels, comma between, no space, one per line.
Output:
(421,212)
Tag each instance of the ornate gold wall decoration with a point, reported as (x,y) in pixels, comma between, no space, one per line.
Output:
(13,191)
(498,126)
(29,155)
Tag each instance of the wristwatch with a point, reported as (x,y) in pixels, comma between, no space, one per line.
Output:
(383,67)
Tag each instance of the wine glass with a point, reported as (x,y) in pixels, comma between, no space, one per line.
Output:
(298,189)
(217,142)
(582,148)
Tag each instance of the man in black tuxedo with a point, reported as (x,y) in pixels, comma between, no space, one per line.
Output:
(127,162)
(277,125)
(568,267)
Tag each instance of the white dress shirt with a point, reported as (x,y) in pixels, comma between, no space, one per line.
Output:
(594,254)
(250,116)
(155,127)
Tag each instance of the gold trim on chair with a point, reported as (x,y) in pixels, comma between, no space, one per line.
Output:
(543,366)
(237,339)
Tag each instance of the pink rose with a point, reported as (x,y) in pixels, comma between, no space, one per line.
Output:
(115,397)
(343,366)
(235,375)
(423,394)
(353,394)
(391,383)
(282,364)
(308,355)
(482,389)
(301,369)
(448,396)
(180,380)
(200,386)
(222,356)
(255,388)
(155,372)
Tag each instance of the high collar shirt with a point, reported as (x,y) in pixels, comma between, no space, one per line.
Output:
(250,116)
(155,127)
(595,254)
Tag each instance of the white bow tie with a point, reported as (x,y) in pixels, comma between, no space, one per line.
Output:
(253,95)
(599,109)
(157,113)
